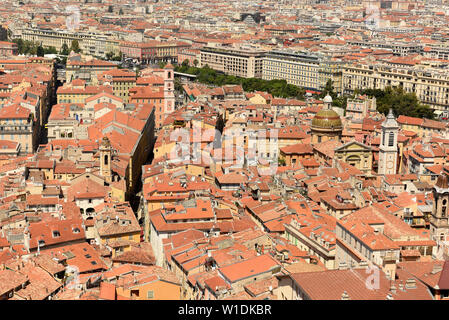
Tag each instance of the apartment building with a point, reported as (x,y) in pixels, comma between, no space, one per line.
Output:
(373,235)
(121,81)
(360,107)
(310,71)
(17,124)
(243,62)
(152,51)
(78,92)
(87,70)
(8,48)
(397,48)
(188,54)
(95,44)
(431,86)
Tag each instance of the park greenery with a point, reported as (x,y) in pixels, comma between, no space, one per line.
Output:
(401,102)
(277,88)
(27,47)
(110,56)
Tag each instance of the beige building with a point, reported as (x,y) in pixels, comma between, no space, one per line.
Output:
(302,69)
(314,243)
(17,124)
(87,70)
(430,85)
(95,44)
(360,107)
(243,62)
(356,154)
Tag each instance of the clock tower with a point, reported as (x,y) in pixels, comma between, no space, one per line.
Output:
(388,150)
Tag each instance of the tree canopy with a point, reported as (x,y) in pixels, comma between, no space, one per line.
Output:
(75,47)
(277,88)
(402,103)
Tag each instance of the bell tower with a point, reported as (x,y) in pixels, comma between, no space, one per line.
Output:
(105,159)
(439,227)
(388,150)
(169,89)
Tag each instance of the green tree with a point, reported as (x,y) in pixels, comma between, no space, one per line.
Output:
(109,55)
(178,85)
(64,50)
(40,52)
(50,50)
(20,45)
(185,63)
(75,47)
(328,90)
(118,57)
(278,88)
(402,103)
(195,62)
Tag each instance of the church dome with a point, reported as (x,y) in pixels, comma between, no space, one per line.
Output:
(327,119)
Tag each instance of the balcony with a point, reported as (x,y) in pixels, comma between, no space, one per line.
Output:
(389,256)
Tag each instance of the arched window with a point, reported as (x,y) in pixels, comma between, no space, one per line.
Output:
(106,160)
(444,208)
(391,139)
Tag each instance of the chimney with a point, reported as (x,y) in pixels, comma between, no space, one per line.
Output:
(437,268)
(410,283)
(345,296)
(393,289)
